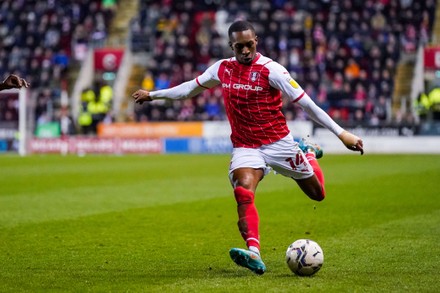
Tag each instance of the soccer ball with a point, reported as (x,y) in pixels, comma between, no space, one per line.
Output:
(304,257)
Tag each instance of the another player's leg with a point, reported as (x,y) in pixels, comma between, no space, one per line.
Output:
(245,183)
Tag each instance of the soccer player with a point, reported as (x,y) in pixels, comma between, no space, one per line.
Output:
(13,81)
(252,86)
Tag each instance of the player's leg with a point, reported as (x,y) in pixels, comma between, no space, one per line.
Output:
(245,182)
(313,186)
(246,170)
(286,158)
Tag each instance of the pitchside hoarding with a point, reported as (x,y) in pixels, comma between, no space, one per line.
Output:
(95,145)
(212,137)
(151,129)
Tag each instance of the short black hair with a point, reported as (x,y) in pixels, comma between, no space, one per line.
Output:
(239,26)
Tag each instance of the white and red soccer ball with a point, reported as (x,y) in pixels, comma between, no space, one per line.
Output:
(304,257)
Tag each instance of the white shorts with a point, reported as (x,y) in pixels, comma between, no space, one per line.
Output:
(283,156)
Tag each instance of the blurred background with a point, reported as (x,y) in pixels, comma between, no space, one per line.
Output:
(373,66)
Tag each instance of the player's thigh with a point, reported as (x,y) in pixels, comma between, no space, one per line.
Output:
(286,158)
(246,158)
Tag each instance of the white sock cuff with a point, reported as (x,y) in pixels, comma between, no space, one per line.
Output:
(254,249)
(251,238)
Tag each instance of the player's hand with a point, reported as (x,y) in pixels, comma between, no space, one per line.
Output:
(141,96)
(14,81)
(352,142)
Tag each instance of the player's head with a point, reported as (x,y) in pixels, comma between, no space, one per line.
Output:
(243,41)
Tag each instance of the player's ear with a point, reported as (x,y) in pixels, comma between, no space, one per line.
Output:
(230,45)
(256,39)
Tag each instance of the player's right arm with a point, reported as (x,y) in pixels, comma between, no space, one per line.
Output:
(189,89)
(185,90)
(282,80)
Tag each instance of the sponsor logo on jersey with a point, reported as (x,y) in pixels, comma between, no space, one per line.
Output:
(254,76)
(239,86)
(294,83)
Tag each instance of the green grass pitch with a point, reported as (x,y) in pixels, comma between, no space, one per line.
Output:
(165,223)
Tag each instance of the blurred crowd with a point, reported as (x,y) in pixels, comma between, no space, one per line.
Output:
(343,52)
(40,39)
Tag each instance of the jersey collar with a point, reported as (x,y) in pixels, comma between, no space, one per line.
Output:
(257,56)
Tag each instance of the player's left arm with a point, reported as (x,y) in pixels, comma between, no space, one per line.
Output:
(280,78)
(351,141)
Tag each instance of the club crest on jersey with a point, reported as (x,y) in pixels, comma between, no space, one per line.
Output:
(254,76)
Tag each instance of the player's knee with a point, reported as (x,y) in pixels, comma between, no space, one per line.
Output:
(248,181)
(316,197)
(243,195)
(317,194)
(320,197)
(312,188)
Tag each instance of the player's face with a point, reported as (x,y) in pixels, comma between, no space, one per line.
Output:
(244,45)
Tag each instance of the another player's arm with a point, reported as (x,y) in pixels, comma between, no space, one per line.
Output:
(13,81)
(185,90)
(281,79)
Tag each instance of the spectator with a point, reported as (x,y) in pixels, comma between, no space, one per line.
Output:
(380,108)
(106,95)
(85,120)
(212,109)
(148,81)
(162,81)
(319,43)
(98,110)
(352,70)
(67,125)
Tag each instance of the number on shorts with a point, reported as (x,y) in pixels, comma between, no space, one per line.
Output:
(299,159)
